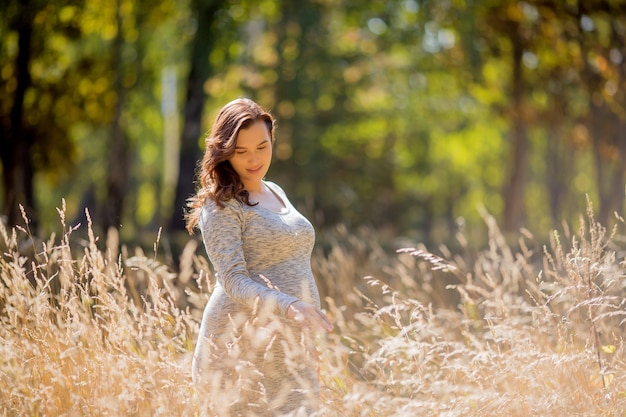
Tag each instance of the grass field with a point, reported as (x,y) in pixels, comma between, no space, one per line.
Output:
(91,329)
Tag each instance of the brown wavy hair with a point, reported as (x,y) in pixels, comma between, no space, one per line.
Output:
(217,178)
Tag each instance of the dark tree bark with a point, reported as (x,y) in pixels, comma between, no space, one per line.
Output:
(619,183)
(609,150)
(204,41)
(605,124)
(17,140)
(556,171)
(614,198)
(558,160)
(515,189)
(117,173)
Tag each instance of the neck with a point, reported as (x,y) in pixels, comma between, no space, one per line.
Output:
(254,188)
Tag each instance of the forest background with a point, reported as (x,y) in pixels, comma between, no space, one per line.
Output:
(402,125)
(405,116)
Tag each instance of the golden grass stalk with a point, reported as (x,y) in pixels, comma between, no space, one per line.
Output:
(91,328)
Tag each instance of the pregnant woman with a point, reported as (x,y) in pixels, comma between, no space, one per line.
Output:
(255,353)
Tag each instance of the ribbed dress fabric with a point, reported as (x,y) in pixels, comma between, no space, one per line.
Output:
(262,262)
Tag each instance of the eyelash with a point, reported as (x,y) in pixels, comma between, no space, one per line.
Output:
(260,148)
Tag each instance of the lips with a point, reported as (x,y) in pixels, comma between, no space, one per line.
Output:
(255,170)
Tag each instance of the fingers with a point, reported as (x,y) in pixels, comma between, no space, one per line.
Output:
(310,316)
(323,320)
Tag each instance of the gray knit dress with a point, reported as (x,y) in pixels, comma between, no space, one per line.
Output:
(249,354)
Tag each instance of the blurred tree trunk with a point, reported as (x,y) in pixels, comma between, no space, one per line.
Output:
(609,151)
(556,173)
(292,28)
(558,159)
(612,199)
(515,188)
(17,140)
(117,173)
(469,33)
(204,41)
(619,184)
(606,118)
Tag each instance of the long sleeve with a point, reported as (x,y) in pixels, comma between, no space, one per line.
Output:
(245,243)
(222,230)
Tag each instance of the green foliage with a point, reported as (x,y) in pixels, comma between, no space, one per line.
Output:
(395,114)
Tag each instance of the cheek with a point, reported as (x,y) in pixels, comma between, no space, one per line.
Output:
(235,162)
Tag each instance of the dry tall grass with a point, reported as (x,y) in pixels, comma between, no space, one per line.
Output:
(88,329)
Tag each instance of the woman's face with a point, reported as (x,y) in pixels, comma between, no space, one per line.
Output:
(253,155)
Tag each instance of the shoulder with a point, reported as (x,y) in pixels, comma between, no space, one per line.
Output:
(212,212)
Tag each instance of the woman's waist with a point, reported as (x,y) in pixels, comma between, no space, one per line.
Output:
(283,274)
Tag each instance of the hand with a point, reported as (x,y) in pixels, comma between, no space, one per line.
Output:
(309,316)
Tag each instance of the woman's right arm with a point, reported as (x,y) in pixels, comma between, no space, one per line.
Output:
(222,235)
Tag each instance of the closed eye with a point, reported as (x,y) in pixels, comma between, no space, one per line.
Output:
(260,146)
